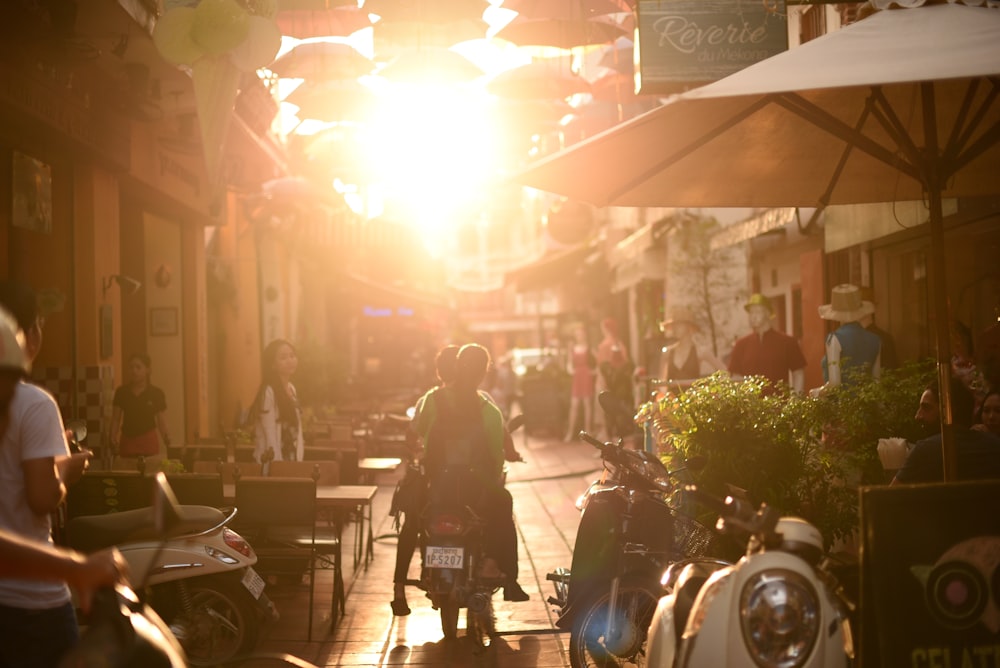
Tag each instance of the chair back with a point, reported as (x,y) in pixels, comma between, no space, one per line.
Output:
(272,502)
(102,492)
(197,489)
(323,472)
(228,470)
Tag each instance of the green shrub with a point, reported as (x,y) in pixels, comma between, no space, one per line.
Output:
(805,456)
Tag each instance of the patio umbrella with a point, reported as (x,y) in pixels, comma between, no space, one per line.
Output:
(426,11)
(397,36)
(325,60)
(569,9)
(538,80)
(564,33)
(431,64)
(337,100)
(900,105)
(306,23)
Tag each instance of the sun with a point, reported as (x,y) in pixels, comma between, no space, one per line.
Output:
(432,149)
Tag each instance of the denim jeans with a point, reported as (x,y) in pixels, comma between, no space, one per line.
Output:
(36,638)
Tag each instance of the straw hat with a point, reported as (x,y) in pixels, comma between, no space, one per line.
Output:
(846,304)
(681,314)
(758,299)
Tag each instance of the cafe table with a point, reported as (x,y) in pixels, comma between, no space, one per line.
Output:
(340,498)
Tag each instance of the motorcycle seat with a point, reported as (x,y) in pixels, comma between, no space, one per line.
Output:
(89,533)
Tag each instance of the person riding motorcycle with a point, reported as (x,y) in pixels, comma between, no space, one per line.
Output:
(463,431)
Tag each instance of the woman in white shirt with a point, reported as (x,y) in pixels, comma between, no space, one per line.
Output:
(275,409)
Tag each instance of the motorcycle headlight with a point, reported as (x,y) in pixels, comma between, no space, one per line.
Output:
(780,617)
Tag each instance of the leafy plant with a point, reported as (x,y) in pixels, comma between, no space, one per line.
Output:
(805,456)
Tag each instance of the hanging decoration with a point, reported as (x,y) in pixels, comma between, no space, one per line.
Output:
(219,40)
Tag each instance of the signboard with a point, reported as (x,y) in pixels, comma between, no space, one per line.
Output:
(930,578)
(686,43)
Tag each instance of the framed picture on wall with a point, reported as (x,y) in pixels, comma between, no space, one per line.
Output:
(32,194)
(163,321)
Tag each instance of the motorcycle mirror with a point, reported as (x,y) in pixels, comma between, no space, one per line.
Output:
(165,513)
(515,423)
(79,429)
(612,405)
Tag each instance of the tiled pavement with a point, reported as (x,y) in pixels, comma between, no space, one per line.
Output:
(545,488)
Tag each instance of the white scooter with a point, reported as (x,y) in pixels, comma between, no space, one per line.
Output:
(200,579)
(778,606)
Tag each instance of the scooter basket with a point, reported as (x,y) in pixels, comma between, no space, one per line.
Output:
(691,537)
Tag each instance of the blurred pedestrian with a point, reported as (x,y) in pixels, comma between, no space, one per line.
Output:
(275,410)
(583,368)
(139,413)
(682,362)
(615,367)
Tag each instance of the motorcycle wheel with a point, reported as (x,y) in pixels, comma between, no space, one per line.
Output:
(222,622)
(588,646)
(481,625)
(449,618)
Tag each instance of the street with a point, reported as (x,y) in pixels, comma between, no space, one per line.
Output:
(544,487)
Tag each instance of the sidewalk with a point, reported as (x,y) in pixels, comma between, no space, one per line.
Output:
(545,488)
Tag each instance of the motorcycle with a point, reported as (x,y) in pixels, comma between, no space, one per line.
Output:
(628,534)
(780,605)
(200,579)
(452,546)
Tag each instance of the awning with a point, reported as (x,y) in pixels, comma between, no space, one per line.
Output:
(399,295)
(549,271)
(771,219)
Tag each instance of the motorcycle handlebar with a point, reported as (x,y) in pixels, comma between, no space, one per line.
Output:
(584,436)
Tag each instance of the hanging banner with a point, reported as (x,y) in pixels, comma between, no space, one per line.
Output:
(682,44)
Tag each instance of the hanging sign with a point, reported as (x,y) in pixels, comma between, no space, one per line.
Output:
(686,43)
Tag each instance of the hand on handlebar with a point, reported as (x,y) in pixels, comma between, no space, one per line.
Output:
(106,568)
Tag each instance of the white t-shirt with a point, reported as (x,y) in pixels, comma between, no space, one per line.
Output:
(34,431)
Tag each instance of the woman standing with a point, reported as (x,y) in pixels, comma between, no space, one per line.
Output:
(583,364)
(275,410)
(139,412)
(683,361)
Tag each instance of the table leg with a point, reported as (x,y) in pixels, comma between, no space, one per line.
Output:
(370,542)
(339,591)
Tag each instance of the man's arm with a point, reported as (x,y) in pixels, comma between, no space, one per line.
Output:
(46,463)
(43,485)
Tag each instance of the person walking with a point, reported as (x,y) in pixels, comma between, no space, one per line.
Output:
(275,410)
(139,414)
(583,366)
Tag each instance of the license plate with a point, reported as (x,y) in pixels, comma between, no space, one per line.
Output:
(444,557)
(253,582)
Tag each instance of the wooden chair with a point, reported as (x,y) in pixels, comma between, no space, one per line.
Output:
(197,489)
(102,492)
(278,517)
(323,472)
(229,471)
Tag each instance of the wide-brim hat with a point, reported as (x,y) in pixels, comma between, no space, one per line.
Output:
(846,304)
(758,299)
(681,314)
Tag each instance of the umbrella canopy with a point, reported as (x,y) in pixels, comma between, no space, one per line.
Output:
(329,101)
(901,105)
(431,64)
(564,33)
(567,9)
(538,80)
(306,23)
(426,11)
(325,60)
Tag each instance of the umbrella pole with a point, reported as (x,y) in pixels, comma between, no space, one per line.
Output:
(939,294)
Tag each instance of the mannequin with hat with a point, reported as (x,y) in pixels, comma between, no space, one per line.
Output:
(850,346)
(766,351)
(682,362)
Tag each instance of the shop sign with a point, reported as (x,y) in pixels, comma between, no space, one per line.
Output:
(930,575)
(687,43)
(91,129)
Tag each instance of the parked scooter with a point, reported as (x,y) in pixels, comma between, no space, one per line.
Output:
(777,606)
(122,631)
(453,552)
(200,580)
(628,535)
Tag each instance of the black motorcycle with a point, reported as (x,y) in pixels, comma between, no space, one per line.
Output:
(629,533)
